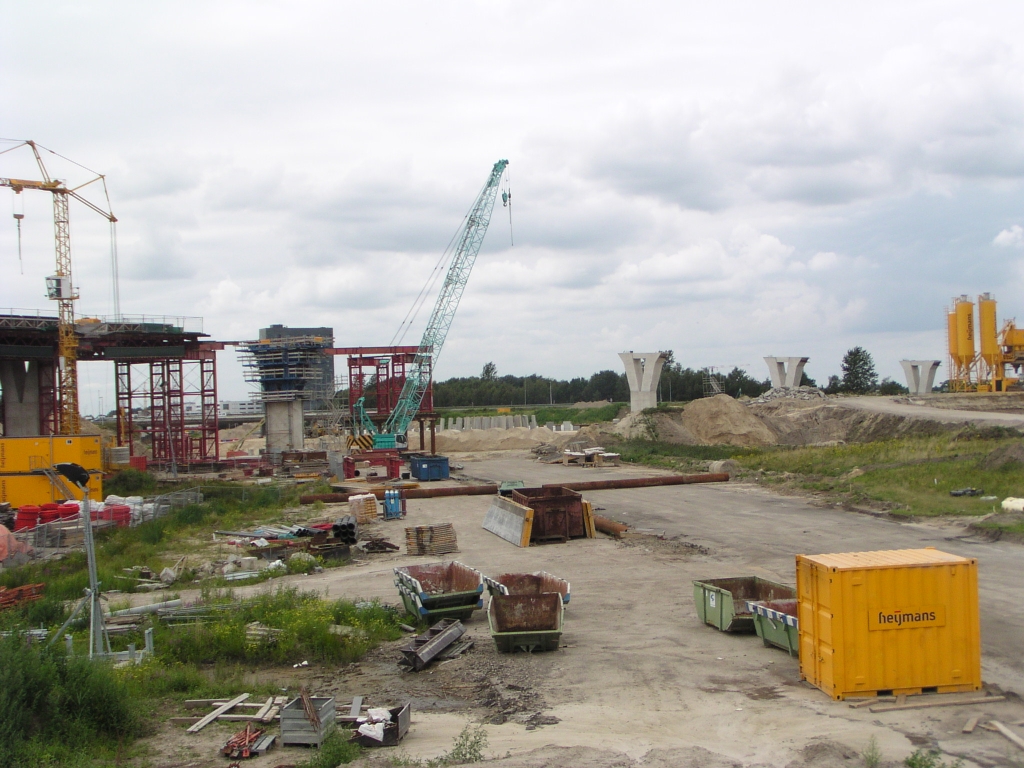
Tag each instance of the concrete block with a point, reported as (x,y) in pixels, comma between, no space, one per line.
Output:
(517,421)
(533,422)
(920,375)
(786,371)
(568,427)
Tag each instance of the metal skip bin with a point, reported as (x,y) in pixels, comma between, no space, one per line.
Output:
(440,590)
(776,623)
(528,584)
(526,622)
(722,603)
(889,622)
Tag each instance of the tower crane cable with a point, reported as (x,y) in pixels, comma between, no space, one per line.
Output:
(61,286)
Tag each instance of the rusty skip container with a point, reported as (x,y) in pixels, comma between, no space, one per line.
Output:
(528,584)
(890,622)
(557,513)
(435,591)
(526,622)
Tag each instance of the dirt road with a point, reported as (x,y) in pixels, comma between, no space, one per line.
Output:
(949,415)
(639,676)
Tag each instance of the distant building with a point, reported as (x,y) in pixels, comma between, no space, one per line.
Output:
(325,386)
(230,408)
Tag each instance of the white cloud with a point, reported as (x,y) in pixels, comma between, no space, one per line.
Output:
(723,181)
(1012,237)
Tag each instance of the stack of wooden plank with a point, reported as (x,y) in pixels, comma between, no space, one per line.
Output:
(265,712)
(17,596)
(431,539)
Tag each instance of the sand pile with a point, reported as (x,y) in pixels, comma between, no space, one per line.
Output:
(451,440)
(720,420)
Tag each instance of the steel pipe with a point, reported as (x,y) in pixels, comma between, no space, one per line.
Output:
(640,482)
(410,493)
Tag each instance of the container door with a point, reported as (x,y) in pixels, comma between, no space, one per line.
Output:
(815,620)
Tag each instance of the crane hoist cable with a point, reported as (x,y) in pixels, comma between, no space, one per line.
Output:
(60,286)
(469,238)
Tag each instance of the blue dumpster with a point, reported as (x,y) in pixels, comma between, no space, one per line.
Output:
(429,467)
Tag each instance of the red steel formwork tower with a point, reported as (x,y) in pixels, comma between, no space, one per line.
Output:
(378,373)
(179,435)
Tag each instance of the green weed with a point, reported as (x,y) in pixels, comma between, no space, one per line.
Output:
(335,750)
(872,755)
(54,708)
(304,621)
(930,759)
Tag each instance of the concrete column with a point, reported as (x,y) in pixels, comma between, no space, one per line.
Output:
(517,421)
(533,422)
(920,375)
(284,426)
(786,371)
(19,380)
(643,371)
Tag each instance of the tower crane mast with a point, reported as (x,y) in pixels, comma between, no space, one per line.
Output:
(468,242)
(60,287)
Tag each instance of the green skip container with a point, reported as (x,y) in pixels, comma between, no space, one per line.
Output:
(776,624)
(722,603)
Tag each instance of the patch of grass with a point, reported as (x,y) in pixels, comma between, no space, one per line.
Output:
(130,482)
(335,750)
(468,747)
(56,710)
(923,489)
(833,461)
(930,759)
(304,620)
(667,454)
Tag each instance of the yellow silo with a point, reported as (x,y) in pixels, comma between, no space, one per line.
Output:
(951,329)
(987,329)
(965,332)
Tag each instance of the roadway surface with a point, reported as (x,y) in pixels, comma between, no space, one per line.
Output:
(750,530)
(949,415)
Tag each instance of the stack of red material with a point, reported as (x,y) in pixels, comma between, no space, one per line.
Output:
(49,513)
(67,511)
(27,518)
(121,514)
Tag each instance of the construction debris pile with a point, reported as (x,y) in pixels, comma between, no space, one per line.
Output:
(790,393)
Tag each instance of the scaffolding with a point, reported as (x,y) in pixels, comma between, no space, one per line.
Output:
(378,374)
(151,403)
(285,369)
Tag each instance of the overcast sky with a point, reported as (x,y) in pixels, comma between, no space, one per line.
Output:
(726,180)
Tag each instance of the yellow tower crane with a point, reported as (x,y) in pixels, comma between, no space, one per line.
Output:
(60,287)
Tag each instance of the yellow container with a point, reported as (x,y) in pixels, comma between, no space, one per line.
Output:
(25,454)
(987,329)
(21,458)
(891,622)
(954,350)
(37,489)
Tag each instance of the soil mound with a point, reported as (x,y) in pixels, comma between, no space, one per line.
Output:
(721,420)
(799,422)
(1012,454)
(665,426)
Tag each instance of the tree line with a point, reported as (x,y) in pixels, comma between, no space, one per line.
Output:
(678,384)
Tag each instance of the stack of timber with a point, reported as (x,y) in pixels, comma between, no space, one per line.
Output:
(431,539)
